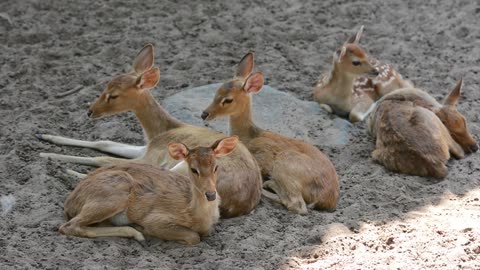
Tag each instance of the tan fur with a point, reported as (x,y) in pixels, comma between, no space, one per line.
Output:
(350,90)
(239,182)
(155,201)
(412,135)
(299,173)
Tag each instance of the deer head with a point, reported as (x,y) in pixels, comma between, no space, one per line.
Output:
(455,122)
(201,162)
(233,96)
(351,58)
(122,91)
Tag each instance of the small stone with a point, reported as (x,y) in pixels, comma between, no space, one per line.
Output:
(5,17)
(390,241)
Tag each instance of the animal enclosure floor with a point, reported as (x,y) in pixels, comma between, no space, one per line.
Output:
(383,221)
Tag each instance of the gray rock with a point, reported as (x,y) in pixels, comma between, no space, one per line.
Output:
(273,110)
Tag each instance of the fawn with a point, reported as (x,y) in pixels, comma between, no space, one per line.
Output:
(355,81)
(300,174)
(239,179)
(157,202)
(416,135)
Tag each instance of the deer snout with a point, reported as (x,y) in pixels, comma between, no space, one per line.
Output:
(211,195)
(204,115)
(474,148)
(375,72)
(89,113)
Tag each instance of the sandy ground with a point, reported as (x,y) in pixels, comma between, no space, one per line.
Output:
(384,220)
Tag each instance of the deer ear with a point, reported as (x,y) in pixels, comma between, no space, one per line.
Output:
(454,95)
(245,67)
(341,54)
(355,39)
(254,83)
(178,151)
(144,59)
(224,146)
(148,79)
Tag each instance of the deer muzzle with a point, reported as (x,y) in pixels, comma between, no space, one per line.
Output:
(211,195)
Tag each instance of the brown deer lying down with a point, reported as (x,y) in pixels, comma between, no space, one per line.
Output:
(416,135)
(157,202)
(300,174)
(355,81)
(239,180)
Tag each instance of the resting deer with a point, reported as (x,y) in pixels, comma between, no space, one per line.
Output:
(355,81)
(160,203)
(300,174)
(416,135)
(239,179)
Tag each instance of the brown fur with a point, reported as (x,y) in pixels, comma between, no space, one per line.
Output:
(300,174)
(350,90)
(156,201)
(239,182)
(412,135)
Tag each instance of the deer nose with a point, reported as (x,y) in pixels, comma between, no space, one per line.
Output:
(474,148)
(375,72)
(205,115)
(211,195)
(89,113)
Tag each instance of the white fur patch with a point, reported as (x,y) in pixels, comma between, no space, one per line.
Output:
(181,168)
(120,219)
(384,83)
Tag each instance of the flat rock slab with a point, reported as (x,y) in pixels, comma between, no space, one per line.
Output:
(273,110)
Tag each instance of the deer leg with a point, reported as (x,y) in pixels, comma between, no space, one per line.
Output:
(119,149)
(90,161)
(94,232)
(296,175)
(173,232)
(271,184)
(361,110)
(456,150)
(97,211)
(326,107)
(271,196)
(287,194)
(75,174)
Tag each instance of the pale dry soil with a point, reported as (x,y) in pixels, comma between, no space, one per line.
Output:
(383,221)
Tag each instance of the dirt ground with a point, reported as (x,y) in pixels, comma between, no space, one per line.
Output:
(383,221)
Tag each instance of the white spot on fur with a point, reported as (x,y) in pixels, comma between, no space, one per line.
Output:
(7,203)
(384,83)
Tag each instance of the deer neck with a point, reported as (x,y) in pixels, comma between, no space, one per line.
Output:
(341,82)
(241,123)
(153,118)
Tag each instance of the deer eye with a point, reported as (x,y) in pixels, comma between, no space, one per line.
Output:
(227,101)
(109,97)
(194,171)
(356,63)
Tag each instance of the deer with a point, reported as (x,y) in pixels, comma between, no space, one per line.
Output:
(299,173)
(239,179)
(355,81)
(132,200)
(414,134)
